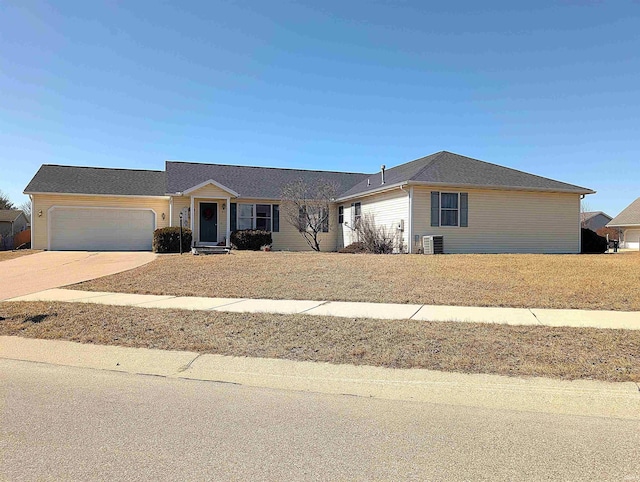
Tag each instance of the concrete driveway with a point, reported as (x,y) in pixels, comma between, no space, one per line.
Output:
(52,269)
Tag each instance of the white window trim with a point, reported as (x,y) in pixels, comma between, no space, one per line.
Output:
(254,216)
(449,209)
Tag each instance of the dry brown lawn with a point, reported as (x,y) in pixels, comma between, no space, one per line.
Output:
(597,282)
(6,255)
(568,353)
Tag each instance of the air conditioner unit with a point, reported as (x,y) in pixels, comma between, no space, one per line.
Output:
(433,244)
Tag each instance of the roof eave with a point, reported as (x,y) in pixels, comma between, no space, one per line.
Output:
(378,190)
(502,188)
(52,193)
(623,225)
(213,183)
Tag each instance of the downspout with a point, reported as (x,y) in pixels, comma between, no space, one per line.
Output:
(171,211)
(31,220)
(410,220)
(582,196)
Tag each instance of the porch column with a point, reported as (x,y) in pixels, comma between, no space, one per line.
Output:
(228,239)
(191,216)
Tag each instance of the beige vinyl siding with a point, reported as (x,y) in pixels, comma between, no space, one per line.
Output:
(210,191)
(43,202)
(180,203)
(505,222)
(289,239)
(388,209)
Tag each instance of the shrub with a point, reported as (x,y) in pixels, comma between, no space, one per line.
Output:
(167,240)
(354,248)
(250,239)
(377,239)
(592,243)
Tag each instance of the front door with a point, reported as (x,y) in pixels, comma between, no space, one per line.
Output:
(208,222)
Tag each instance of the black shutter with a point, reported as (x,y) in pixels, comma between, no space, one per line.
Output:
(435,208)
(464,209)
(233,216)
(276,218)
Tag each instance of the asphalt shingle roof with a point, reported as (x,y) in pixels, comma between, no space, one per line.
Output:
(247,181)
(9,215)
(97,180)
(441,168)
(453,169)
(629,216)
(586,216)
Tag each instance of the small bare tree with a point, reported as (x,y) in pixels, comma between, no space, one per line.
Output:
(26,209)
(305,206)
(584,208)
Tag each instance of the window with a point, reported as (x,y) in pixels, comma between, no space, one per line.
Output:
(245,216)
(356,214)
(340,214)
(265,217)
(449,209)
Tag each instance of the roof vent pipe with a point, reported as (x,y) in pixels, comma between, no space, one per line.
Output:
(382,168)
(368,182)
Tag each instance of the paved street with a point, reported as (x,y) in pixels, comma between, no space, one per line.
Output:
(73,423)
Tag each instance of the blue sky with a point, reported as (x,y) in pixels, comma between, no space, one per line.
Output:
(551,88)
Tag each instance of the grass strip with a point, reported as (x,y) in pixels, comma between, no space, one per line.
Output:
(566,353)
(590,282)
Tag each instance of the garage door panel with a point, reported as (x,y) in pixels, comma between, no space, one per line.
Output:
(101,229)
(632,238)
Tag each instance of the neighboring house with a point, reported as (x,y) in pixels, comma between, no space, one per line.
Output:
(595,220)
(479,207)
(12,221)
(628,221)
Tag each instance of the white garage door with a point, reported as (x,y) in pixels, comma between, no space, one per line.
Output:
(103,229)
(632,238)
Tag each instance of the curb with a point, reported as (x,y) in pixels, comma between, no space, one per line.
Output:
(580,397)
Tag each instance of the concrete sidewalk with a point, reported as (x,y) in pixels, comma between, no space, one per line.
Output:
(510,316)
(582,397)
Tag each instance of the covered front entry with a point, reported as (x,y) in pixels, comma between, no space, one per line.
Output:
(208,222)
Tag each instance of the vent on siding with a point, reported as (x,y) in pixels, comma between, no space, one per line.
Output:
(433,244)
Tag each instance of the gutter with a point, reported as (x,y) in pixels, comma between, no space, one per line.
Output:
(30,193)
(468,186)
(384,188)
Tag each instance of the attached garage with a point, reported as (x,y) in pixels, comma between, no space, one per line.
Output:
(632,238)
(100,229)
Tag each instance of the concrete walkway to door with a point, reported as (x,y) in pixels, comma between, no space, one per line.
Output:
(51,269)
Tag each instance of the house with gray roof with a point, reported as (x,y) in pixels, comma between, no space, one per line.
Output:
(12,221)
(475,206)
(594,220)
(628,221)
